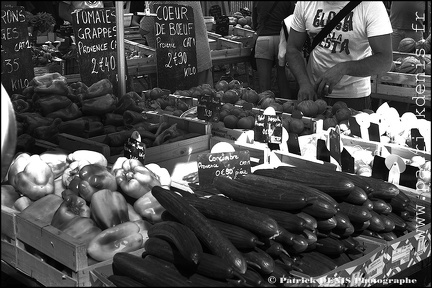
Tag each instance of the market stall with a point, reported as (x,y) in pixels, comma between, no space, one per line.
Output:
(208,186)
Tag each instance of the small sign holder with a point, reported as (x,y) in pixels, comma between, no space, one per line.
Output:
(268,129)
(208,108)
(134,148)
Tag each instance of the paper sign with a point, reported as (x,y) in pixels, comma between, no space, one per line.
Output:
(208,108)
(134,148)
(347,161)
(268,129)
(335,146)
(417,140)
(374,132)
(323,153)
(293,144)
(230,164)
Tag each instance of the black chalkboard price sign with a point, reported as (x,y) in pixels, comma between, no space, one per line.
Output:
(229,164)
(222,25)
(175,47)
(268,129)
(16,58)
(95,34)
(208,108)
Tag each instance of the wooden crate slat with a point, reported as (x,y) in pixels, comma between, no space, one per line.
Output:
(8,221)
(53,243)
(43,272)
(73,143)
(8,252)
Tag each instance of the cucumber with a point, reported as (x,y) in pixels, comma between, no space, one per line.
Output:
(380,206)
(355,213)
(357,196)
(376,222)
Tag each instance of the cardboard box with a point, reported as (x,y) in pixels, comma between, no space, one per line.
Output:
(362,272)
(408,250)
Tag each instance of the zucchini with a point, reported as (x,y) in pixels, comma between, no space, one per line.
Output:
(181,236)
(268,196)
(259,259)
(326,224)
(210,265)
(400,224)
(299,245)
(209,235)
(330,182)
(264,182)
(148,271)
(376,222)
(240,237)
(357,196)
(311,222)
(355,213)
(330,246)
(380,206)
(381,189)
(233,212)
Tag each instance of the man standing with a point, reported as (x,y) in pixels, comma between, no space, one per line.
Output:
(339,68)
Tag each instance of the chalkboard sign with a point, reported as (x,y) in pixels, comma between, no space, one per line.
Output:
(175,47)
(268,129)
(95,34)
(230,164)
(335,146)
(215,11)
(222,25)
(208,108)
(16,58)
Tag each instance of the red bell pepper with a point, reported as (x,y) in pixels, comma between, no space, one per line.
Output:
(82,228)
(125,237)
(135,179)
(71,207)
(108,208)
(93,177)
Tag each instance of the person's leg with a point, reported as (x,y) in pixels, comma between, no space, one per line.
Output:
(265,61)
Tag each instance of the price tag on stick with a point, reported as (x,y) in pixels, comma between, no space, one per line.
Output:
(208,108)
(268,129)
(323,153)
(335,144)
(293,144)
(347,161)
(134,148)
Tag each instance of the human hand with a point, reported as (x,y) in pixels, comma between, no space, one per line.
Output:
(325,84)
(306,92)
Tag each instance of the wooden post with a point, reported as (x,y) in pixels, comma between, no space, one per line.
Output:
(121,69)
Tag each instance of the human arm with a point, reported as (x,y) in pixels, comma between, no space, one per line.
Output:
(379,62)
(296,63)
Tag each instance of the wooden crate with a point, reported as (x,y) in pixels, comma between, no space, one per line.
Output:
(226,48)
(403,87)
(52,257)
(8,235)
(245,36)
(153,154)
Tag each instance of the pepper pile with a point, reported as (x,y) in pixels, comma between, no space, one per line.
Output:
(108,209)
